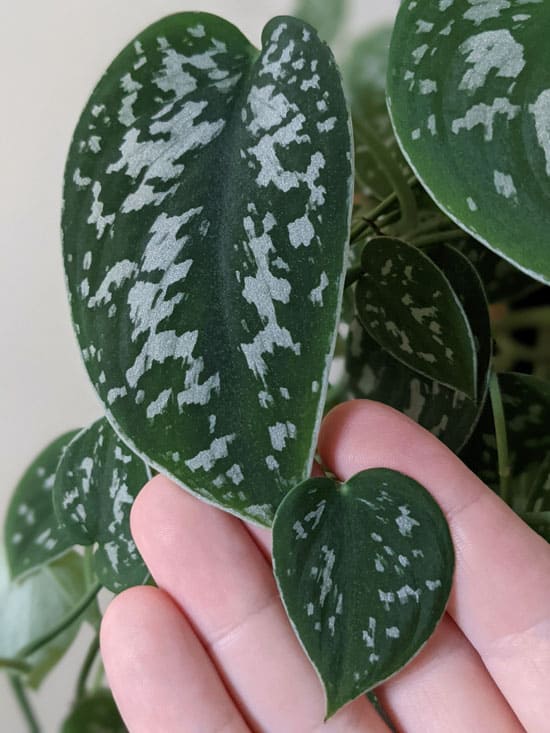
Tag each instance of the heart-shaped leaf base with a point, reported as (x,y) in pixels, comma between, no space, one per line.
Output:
(365,571)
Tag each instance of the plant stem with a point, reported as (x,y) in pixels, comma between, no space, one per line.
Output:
(89,659)
(64,624)
(438,237)
(15,665)
(24,704)
(370,216)
(501,436)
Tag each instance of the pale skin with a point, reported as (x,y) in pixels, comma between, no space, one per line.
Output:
(211,650)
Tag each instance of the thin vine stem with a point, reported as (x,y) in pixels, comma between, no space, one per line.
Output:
(86,668)
(15,665)
(438,237)
(64,624)
(525,318)
(501,437)
(24,704)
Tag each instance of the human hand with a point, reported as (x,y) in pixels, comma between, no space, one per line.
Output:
(211,650)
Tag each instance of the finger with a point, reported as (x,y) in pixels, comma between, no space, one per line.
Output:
(447,688)
(501,594)
(159,673)
(208,562)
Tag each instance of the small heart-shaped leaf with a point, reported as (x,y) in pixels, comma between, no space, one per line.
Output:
(365,571)
(31,532)
(469,96)
(96,483)
(207,210)
(374,374)
(408,306)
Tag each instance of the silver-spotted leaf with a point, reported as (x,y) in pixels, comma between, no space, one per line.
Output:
(469,95)
(326,16)
(374,374)
(96,483)
(207,206)
(31,531)
(365,570)
(34,605)
(96,713)
(407,305)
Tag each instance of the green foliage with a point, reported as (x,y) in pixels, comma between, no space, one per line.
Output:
(364,569)
(426,328)
(96,483)
(31,531)
(468,93)
(96,713)
(33,606)
(206,232)
(208,328)
(326,16)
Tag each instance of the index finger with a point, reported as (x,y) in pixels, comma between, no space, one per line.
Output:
(501,590)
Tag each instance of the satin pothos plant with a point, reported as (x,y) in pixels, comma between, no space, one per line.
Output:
(237,221)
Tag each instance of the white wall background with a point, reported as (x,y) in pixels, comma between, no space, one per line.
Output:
(51,55)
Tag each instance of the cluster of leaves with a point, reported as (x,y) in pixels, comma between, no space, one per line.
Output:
(213,276)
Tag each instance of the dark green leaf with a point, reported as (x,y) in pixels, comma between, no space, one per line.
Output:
(207,327)
(31,531)
(365,570)
(469,96)
(97,713)
(327,16)
(34,605)
(96,483)
(408,307)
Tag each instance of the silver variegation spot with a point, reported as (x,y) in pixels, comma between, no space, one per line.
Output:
(207,206)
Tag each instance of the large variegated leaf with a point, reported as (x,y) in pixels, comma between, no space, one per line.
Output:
(96,483)
(207,207)
(408,307)
(365,570)
(36,604)
(469,94)
(31,531)
(326,16)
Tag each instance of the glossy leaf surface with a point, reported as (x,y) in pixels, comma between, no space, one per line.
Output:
(207,207)
(96,713)
(33,606)
(365,570)
(425,326)
(95,486)
(469,94)
(31,532)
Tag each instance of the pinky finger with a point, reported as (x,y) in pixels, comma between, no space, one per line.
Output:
(161,677)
